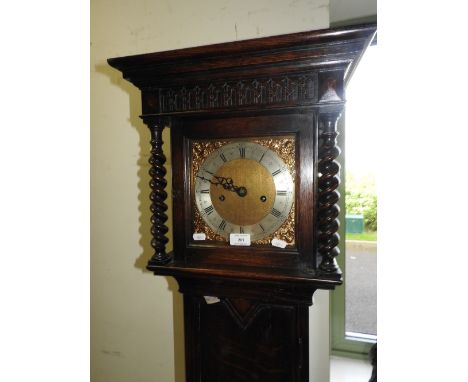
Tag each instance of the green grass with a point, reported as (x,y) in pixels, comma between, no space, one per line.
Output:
(365,236)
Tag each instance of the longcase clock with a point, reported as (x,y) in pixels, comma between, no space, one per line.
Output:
(255,176)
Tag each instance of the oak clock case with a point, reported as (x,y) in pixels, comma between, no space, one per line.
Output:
(254,152)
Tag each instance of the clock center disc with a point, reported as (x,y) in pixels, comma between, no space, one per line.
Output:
(248,209)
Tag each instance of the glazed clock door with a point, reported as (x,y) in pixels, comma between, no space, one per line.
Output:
(244,176)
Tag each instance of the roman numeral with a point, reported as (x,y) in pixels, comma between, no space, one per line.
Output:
(276,172)
(281,193)
(209,210)
(223,157)
(241,229)
(261,157)
(275,213)
(261,227)
(205,191)
(242,152)
(222,225)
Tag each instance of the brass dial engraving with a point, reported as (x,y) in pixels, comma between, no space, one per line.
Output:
(249,209)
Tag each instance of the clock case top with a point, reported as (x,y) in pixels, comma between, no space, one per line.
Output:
(288,84)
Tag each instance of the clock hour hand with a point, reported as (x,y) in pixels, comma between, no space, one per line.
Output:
(226,183)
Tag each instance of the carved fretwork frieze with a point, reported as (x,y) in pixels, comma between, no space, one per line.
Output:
(273,91)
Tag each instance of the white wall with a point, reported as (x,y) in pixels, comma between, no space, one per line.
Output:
(345,10)
(136,318)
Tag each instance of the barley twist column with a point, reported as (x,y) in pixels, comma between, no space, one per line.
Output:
(328,196)
(158,194)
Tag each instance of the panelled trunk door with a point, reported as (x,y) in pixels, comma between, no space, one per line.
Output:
(254,341)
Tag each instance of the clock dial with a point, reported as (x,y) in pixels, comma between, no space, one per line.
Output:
(244,187)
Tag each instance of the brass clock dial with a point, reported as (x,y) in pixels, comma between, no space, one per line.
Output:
(244,187)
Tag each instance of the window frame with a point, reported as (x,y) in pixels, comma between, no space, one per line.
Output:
(342,344)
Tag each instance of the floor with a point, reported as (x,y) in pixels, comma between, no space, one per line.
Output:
(361,287)
(349,370)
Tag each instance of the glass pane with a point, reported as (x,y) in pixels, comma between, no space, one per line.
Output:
(361,201)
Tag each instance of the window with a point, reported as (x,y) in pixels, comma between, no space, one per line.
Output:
(354,305)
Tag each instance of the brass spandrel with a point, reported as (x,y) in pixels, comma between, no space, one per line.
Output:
(202,150)
(200,226)
(284,147)
(286,232)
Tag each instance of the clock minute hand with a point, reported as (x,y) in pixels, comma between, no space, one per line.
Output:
(207,180)
(219,181)
(227,184)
